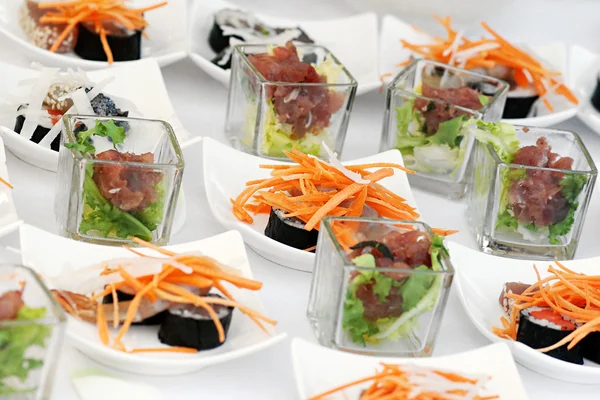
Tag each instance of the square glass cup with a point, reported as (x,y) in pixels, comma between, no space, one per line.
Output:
(439,152)
(106,198)
(409,302)
(30,341)
(266,118)
(531,212)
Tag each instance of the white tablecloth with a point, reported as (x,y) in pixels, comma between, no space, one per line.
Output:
(200,103)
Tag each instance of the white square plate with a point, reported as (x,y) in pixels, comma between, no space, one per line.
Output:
(392,53)
(226,172)
(139,82)
(353,40)
(167,31)
(9,220)
(319,369)
(479,281)
(52,255)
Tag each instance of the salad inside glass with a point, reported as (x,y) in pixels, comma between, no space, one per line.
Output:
(382,305)
(536,202)
(120,200)
(300,113)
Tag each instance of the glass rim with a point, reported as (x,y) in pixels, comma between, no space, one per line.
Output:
(590,162)
(503,86)
(58,315)
(180,164)
(327,221)
(240,50)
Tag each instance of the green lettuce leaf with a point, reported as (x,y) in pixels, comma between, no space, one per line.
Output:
(500,135)
(14,343)
(103,129)
(415,288)
(448,132)
(506,220)
(152,215)
(483,99)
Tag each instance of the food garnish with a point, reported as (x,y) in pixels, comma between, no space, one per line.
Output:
(492,52)
(96,12)
(156,284)
(412,382)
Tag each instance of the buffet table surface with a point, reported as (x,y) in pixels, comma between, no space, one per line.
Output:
(200,104)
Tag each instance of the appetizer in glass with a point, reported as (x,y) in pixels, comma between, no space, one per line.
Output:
(434,114)
(379,286)
(284,97)
(118,179)
(529,200)
(31,331)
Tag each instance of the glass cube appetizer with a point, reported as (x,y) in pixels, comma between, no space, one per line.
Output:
(286,96)
(531,202)
(118,179)
(31,331)
(431,114)
(379,286)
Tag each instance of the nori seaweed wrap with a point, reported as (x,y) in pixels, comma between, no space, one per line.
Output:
(154,320)
(125,45)
(290,231)
(591,347)
(189,326)
(537,331)
(595,100)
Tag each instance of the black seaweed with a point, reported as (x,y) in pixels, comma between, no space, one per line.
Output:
(299,238)
(200,334)
(382,248)
(538,337)
(591,347)
(124,48)
(595,100)
(518,107)
(38,134)
(154,320)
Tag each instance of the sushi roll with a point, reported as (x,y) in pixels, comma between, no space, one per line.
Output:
(189,326)
(591,347)
(125,45)
(153,320)
(512,288)
(43,35)
(540,327)
(519,103)
(290,231)
(595,100)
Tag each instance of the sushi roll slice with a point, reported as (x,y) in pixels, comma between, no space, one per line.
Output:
(591,347)
(511,288)
(519,102)
(189,326)
(124,44)
(153,320)
(43,35)
(540,327)
(595,100)
(290,231)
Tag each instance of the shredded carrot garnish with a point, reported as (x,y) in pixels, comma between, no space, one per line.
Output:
(568,294)
(309,177)
(172,285)
(409,382)
(165,350)
(488,53)
(96,12)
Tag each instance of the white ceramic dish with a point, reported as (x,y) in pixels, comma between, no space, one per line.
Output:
(9,220)
(139,82)
(479,280)
(353,40)
(585,86)
(167,41)
(391,53)
(228,248)
(318,369)
(226,172)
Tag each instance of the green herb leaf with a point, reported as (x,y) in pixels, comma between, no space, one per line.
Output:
(506,220)
(103,129)
(572,186)
(562,228)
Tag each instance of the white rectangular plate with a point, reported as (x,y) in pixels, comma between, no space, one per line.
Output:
(52,255)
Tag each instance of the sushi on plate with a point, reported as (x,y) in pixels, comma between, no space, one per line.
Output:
(556,315)
(38,116)
(299,195)
(95,30)
(536,87)
(188,292)
(232,27)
